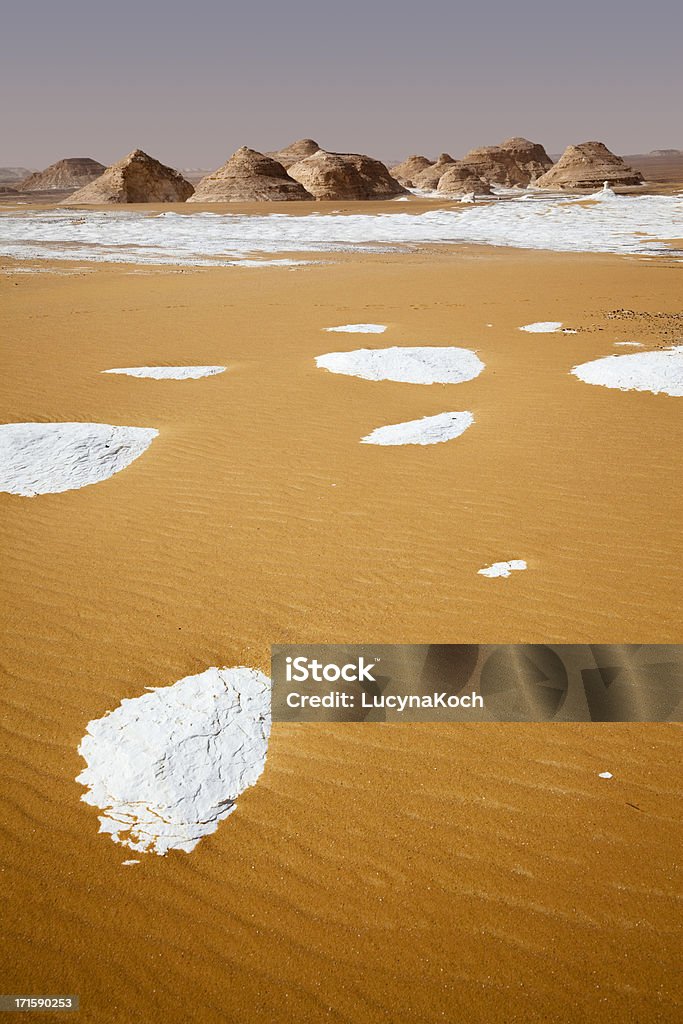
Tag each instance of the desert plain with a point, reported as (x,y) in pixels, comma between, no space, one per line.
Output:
(479,873)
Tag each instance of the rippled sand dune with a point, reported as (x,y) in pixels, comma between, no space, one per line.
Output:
(424,873)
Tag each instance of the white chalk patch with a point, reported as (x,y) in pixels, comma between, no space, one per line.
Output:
(629,344)
(542,327)
(167,767)
(428,430)
(569,330)
(423,365)
(48,458)
(626,224)
(660,372)
(504,569)
(606,775)
(358,329)
(169,372)
(128,863)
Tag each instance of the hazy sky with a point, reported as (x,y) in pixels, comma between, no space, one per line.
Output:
(191,81)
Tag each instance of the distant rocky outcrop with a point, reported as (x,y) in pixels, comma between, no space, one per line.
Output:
(587,166)
(458,180)
(294,152)
(514,162)
(13,175)
(138,178)
(344,176)
(7,190)
(74,172)
(249,177)
(428,179)
(406,172)
(665,152)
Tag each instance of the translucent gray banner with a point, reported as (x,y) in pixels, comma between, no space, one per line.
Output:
(477,682)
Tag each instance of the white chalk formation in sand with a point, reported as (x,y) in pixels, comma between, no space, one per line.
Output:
(423,365)
(169,372)
(543,327)
(428,430)
(503,569)
(358,329)
(167,767)
(48,458)
(660,372)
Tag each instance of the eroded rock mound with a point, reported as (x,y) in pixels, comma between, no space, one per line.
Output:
(342,176)
(138,178)
(74,172)
(588,165)
(296,151)
(429,178)
(458,180)
(406,172)
(248,177)
(515,162)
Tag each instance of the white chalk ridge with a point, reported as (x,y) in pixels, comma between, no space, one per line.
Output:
(169,372)
(358,329)
(543,327)
(48,458)
(418,365)
(660,372)
(429,430)
(503,569)
(165,768)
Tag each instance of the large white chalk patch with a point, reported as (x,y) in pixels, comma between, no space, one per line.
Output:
(423,365)
(167,767)
(47,458)
(660,372)
(169,372)
(358,329)
(428,430)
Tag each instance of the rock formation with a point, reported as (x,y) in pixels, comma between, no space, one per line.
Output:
(293,153)
(588,165)
(13,175)
(74,172)
(406,172)
(514,162)
(342,176)
(458,180)
(428,179)
(137,178)
(248,177)
(7,190)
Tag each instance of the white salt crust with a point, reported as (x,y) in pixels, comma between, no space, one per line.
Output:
(169,372)
(660,372)
(543,327)
(48,458)
(358,329)
(418,365)
(429,430)
(165,768)
(503,569)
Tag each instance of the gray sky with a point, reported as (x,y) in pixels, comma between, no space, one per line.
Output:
(191,81)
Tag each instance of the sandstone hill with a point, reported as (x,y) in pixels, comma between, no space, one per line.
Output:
(429,178)
(138,178)
(74,172)
(343,176)
(7,190)
(406,172)
(248,177)
(588,165)
(293,153)
(458,180)
(515,162)
(13,175)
